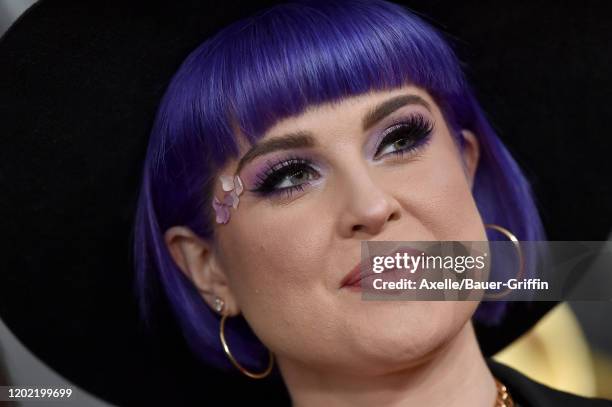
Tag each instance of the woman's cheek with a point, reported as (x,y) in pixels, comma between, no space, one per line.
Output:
(279,287)
(275,253)
(442,199)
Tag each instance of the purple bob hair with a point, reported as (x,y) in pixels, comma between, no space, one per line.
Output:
(271,66)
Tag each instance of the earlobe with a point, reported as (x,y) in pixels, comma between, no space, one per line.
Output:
(196,260)
(470,154)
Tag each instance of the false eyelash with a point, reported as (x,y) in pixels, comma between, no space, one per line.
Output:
(416,127)
(275,172)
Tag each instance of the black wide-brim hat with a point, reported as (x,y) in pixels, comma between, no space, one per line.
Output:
(80,84)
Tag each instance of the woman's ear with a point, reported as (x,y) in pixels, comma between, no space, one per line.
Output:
(470,154)
(196,258)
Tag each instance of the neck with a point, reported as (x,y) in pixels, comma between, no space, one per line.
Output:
(456,375)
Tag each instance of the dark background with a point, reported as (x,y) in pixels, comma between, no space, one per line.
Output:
(541,71)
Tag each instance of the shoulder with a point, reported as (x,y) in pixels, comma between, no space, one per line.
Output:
(529,393)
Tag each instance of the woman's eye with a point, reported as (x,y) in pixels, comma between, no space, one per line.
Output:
(404,137)
(297,178)
(286,176)
(401,144)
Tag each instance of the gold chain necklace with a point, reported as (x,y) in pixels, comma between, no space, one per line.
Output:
(503,396)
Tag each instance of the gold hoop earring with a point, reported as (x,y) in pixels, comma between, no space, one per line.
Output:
(235,362)
(519,252)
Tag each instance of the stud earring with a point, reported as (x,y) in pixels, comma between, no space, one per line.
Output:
(219,304)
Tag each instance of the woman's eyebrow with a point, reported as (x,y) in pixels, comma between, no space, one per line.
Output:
(300,139)
(389,106)
(304,139)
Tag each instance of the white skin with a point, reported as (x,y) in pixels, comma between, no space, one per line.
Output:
(280,259)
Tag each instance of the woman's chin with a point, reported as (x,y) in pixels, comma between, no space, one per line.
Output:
(403,334)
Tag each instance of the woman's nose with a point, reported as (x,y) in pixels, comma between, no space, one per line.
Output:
(367,207)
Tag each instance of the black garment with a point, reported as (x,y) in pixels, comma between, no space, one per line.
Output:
(528,393)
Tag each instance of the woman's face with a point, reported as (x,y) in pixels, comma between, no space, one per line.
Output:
(380,166)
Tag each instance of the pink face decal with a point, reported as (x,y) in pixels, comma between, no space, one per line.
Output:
(233,187)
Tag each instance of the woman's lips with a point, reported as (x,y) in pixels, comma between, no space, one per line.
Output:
(361,277)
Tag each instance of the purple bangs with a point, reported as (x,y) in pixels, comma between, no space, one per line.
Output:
(272,66)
